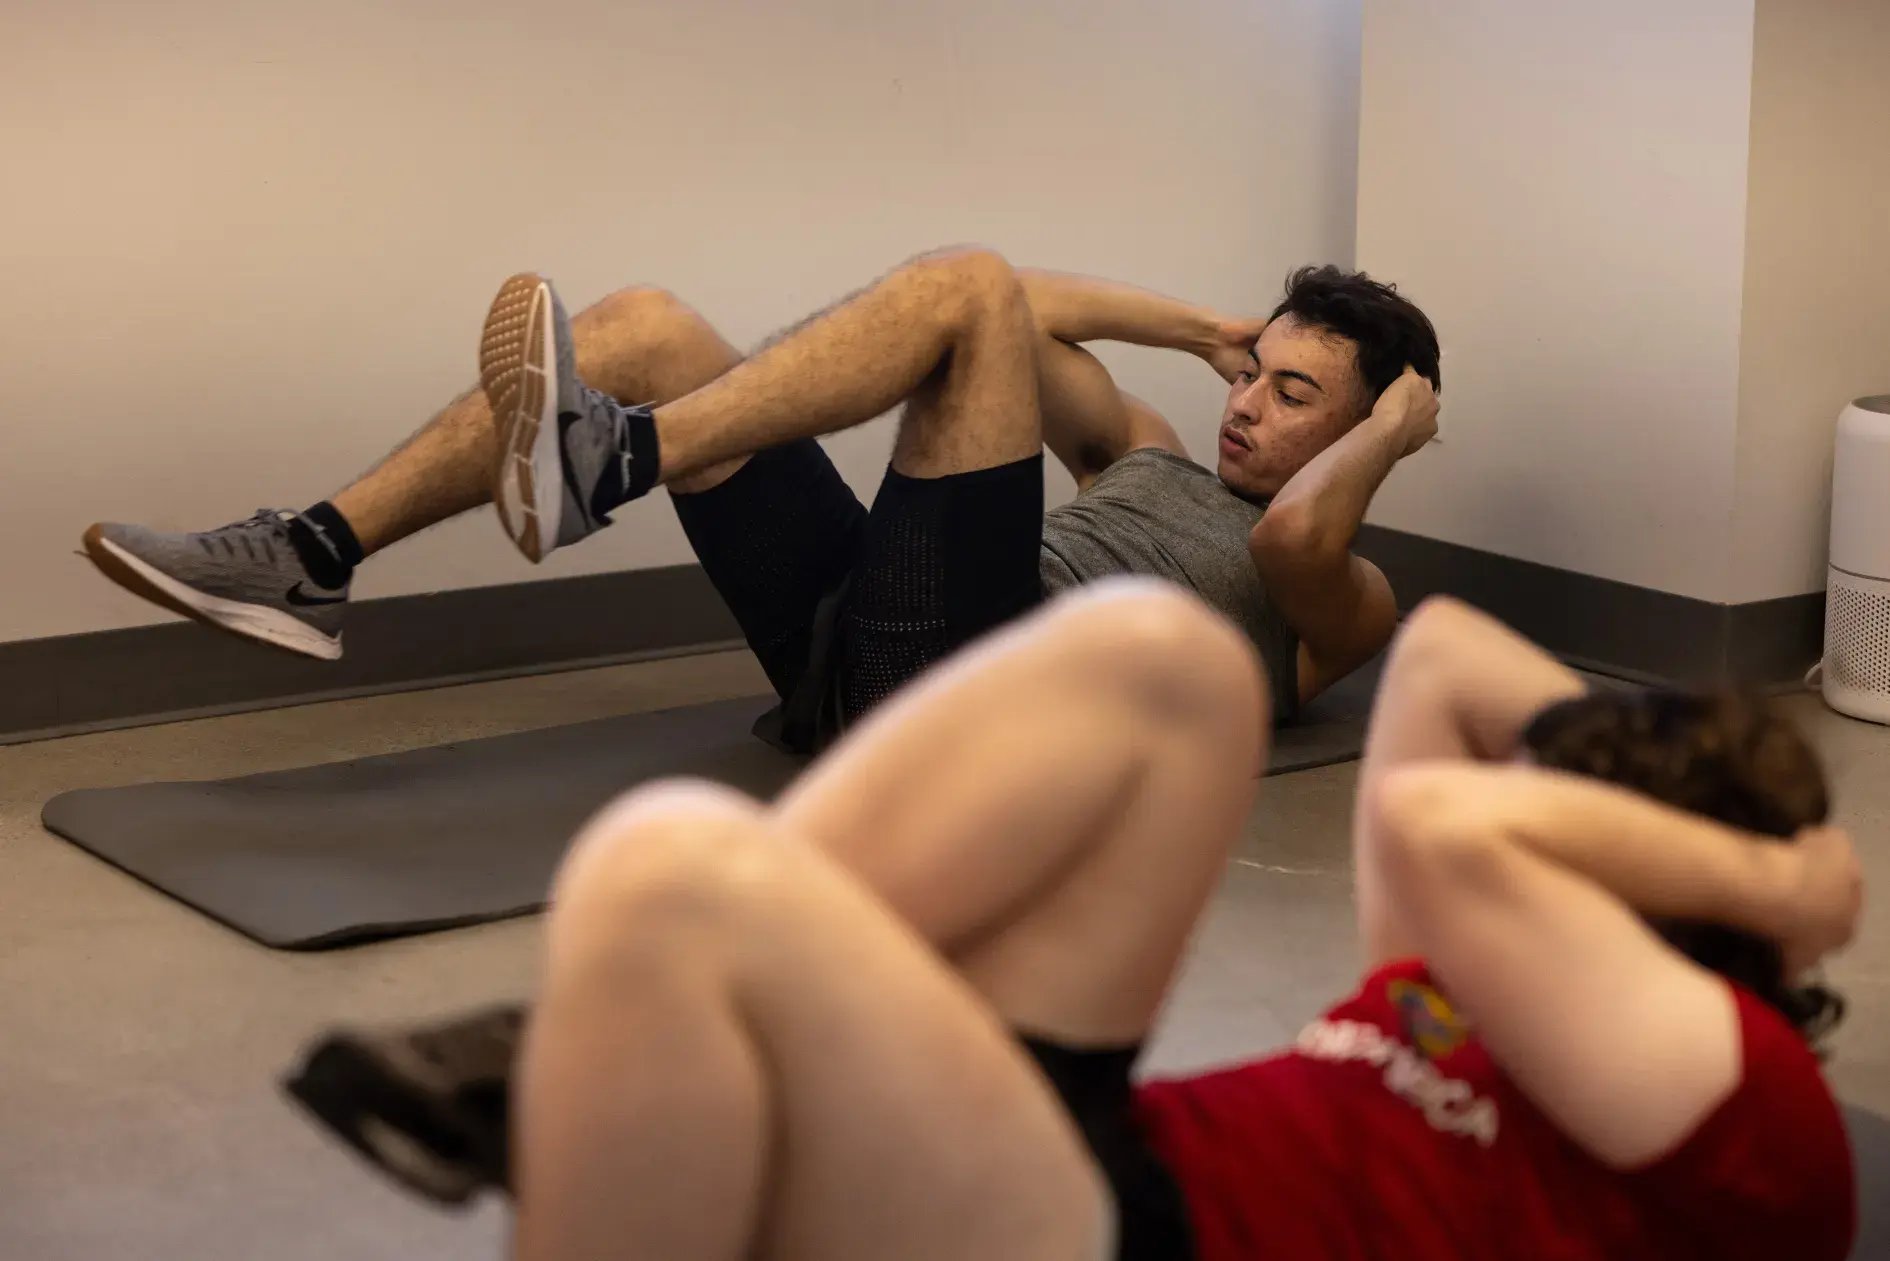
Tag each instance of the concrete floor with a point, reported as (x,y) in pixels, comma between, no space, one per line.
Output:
(140,1042)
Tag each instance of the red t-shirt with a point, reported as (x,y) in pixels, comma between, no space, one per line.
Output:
(1388,1131)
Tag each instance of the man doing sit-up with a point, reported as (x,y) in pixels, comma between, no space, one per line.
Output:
(843,604)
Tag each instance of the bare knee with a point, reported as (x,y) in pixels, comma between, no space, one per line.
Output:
(978,268)
(641,306)
(658,863)
(973,282)
(1170,654)
(645,345)
(653,321)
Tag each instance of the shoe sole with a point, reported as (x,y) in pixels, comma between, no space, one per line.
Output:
(256,622)
(518,369)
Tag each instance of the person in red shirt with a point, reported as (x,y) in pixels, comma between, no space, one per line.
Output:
(1579,1036)
(896,1013)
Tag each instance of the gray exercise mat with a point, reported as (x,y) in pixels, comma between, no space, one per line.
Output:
(1332,728)
(434,838)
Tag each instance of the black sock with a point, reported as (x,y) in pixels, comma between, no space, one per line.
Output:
(326,543)
(632,478)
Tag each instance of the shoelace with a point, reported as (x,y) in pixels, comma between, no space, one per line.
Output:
(265,525)
(599,405)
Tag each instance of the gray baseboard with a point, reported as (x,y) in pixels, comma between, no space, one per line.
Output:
(1606,626)
(146,674)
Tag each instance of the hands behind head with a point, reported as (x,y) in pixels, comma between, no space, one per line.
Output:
(1410,403)
(1234,340)
(1824,897)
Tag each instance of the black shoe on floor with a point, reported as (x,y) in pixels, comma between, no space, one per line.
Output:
(428,1106)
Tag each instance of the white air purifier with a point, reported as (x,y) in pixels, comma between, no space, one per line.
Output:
(1857,612)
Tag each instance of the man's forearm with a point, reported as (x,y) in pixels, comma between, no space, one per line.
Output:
(1324,504)
(1083,308)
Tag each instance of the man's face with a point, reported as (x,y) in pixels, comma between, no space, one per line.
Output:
(1300,393)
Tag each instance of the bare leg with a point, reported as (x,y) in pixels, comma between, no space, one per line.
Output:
(1458,685)
(740,1053)
(1077,396)
(638,345)
(951,331)
(1053,808)
(732,1020)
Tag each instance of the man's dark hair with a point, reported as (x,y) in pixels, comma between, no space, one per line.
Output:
(1388,329)
(1723,755)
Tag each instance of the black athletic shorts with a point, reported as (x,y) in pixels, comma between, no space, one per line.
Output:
(843,605)
(1151,1215)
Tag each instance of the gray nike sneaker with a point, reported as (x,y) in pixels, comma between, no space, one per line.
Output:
(558,438)
(246,578)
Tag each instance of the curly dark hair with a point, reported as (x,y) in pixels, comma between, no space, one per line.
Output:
(1388,329)
(1728,757)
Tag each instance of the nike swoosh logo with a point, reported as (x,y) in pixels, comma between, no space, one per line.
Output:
(295,596)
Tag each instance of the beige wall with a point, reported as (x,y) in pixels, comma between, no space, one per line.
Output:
(1562,186)
(1816,328)
(248,245)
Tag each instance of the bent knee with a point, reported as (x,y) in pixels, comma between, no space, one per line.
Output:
(1168,647)
(641,305)
(975,266)
(980,280)
(676,851)
(1151,618)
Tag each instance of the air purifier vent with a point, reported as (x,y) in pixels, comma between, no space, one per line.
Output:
(1857,590)
(1857,631)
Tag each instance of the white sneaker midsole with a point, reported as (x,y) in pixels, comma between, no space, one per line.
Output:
(547,458)
(257,621)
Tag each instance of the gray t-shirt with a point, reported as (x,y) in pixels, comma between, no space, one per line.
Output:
(1159,514)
